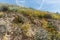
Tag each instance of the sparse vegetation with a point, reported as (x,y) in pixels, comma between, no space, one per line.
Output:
(27,21)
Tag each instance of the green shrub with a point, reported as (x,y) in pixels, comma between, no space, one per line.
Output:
(41,34)
(55,16)
(58,36)
(52,28)
(4,8)
(13,9)
(25,27)
(48,16)
(18,20)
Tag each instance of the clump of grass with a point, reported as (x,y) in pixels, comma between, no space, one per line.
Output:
(25,27)
(1,14)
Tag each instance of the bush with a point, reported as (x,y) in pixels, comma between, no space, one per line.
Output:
(55,16)
(18,20)
(1,14)
(41,15)
(58,36)
(13,9)
(41,34)
(48,16)
(52,28)
(44,23)
(4,8)
(25,27)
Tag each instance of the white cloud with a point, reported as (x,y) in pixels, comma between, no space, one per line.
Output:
(52,1)
(20,2)
(41,4)
(48,2)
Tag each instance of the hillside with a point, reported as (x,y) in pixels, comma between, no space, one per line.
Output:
(20,23)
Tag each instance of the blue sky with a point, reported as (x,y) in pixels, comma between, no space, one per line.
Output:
(45,5)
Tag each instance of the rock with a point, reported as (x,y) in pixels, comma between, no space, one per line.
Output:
(2,28)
